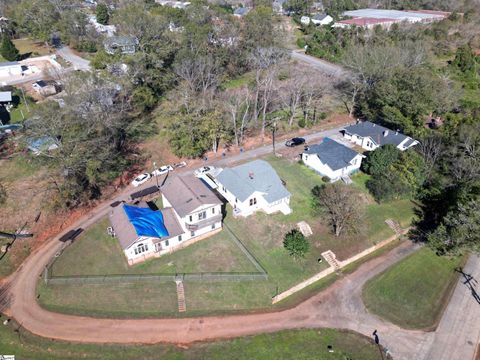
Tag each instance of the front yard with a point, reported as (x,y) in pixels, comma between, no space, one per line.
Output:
(97,253)
(413,292)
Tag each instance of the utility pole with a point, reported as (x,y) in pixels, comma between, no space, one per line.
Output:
(155,173)
(274,129)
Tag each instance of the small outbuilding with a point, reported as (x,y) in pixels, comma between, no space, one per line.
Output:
(322,19)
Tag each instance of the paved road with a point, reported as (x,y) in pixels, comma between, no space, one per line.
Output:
(458,333)
(321,65)
(77,62)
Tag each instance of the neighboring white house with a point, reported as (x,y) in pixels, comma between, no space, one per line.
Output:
(253,186)
(332,159)
(122,44)
(305,20)
(174,4)
(241,11)
(370,136)
(322,19)
(191,212)
(108,30)
(10,68)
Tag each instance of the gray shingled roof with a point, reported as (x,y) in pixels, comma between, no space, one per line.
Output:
(332,153)
(187,193)
(379,134)
(319,17)
(121,40)
(9,63)
(243,180)
(241,11)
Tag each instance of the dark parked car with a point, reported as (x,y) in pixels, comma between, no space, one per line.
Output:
(295,142)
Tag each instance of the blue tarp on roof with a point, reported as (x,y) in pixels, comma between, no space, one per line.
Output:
(146,221)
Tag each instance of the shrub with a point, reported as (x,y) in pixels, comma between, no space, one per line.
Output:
(296,244)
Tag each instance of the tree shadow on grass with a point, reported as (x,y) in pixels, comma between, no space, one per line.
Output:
(5,297)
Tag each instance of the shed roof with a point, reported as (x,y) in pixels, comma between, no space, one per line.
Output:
(335,155)
(379,134)
(5,96)
(187,193)
(243,180)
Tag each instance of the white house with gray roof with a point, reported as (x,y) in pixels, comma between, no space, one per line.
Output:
(253,186)
(370,136)
(332,159)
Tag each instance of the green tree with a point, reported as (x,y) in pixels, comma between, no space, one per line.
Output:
(402,178)
(378,161)
(102,14)
(464,59)
(8,49)
(296,244)
(459,231)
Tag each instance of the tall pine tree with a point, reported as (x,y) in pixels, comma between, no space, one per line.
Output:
(102,14)
(8,49)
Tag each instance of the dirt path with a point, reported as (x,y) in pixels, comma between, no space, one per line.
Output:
(339,306)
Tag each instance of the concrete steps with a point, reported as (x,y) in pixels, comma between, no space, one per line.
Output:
(331,259)
(182,306)
(395,226)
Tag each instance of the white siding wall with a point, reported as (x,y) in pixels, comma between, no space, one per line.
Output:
(314,162)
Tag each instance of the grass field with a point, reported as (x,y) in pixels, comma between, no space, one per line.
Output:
(28,46)
(413,293)
(297,344)
(97,253)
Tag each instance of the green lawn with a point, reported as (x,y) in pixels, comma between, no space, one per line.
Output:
(297,344)
(413,292)
(32,47)
(97,253)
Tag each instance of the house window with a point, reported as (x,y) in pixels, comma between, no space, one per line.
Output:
(202,215)
(192,233)
(179,238)
(253,201)
(213,226)
(354,162)
(305,157)
(213,210)
(167,243)
(191,218)
(141,248)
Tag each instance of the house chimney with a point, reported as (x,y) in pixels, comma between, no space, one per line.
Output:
(385,133)
(250,175)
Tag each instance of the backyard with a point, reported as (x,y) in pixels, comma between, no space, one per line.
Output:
(96,253)
(298,344)
(408,295)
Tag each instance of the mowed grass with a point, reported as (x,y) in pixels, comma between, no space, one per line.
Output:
(262,234)
(97,253)
(32,47)
(413,292)
(291,344)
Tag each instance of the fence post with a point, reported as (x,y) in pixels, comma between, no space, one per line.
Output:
(45,275)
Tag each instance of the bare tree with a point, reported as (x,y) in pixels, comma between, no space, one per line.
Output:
(341,205)
(264,61)
(431,149)
(237,104)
